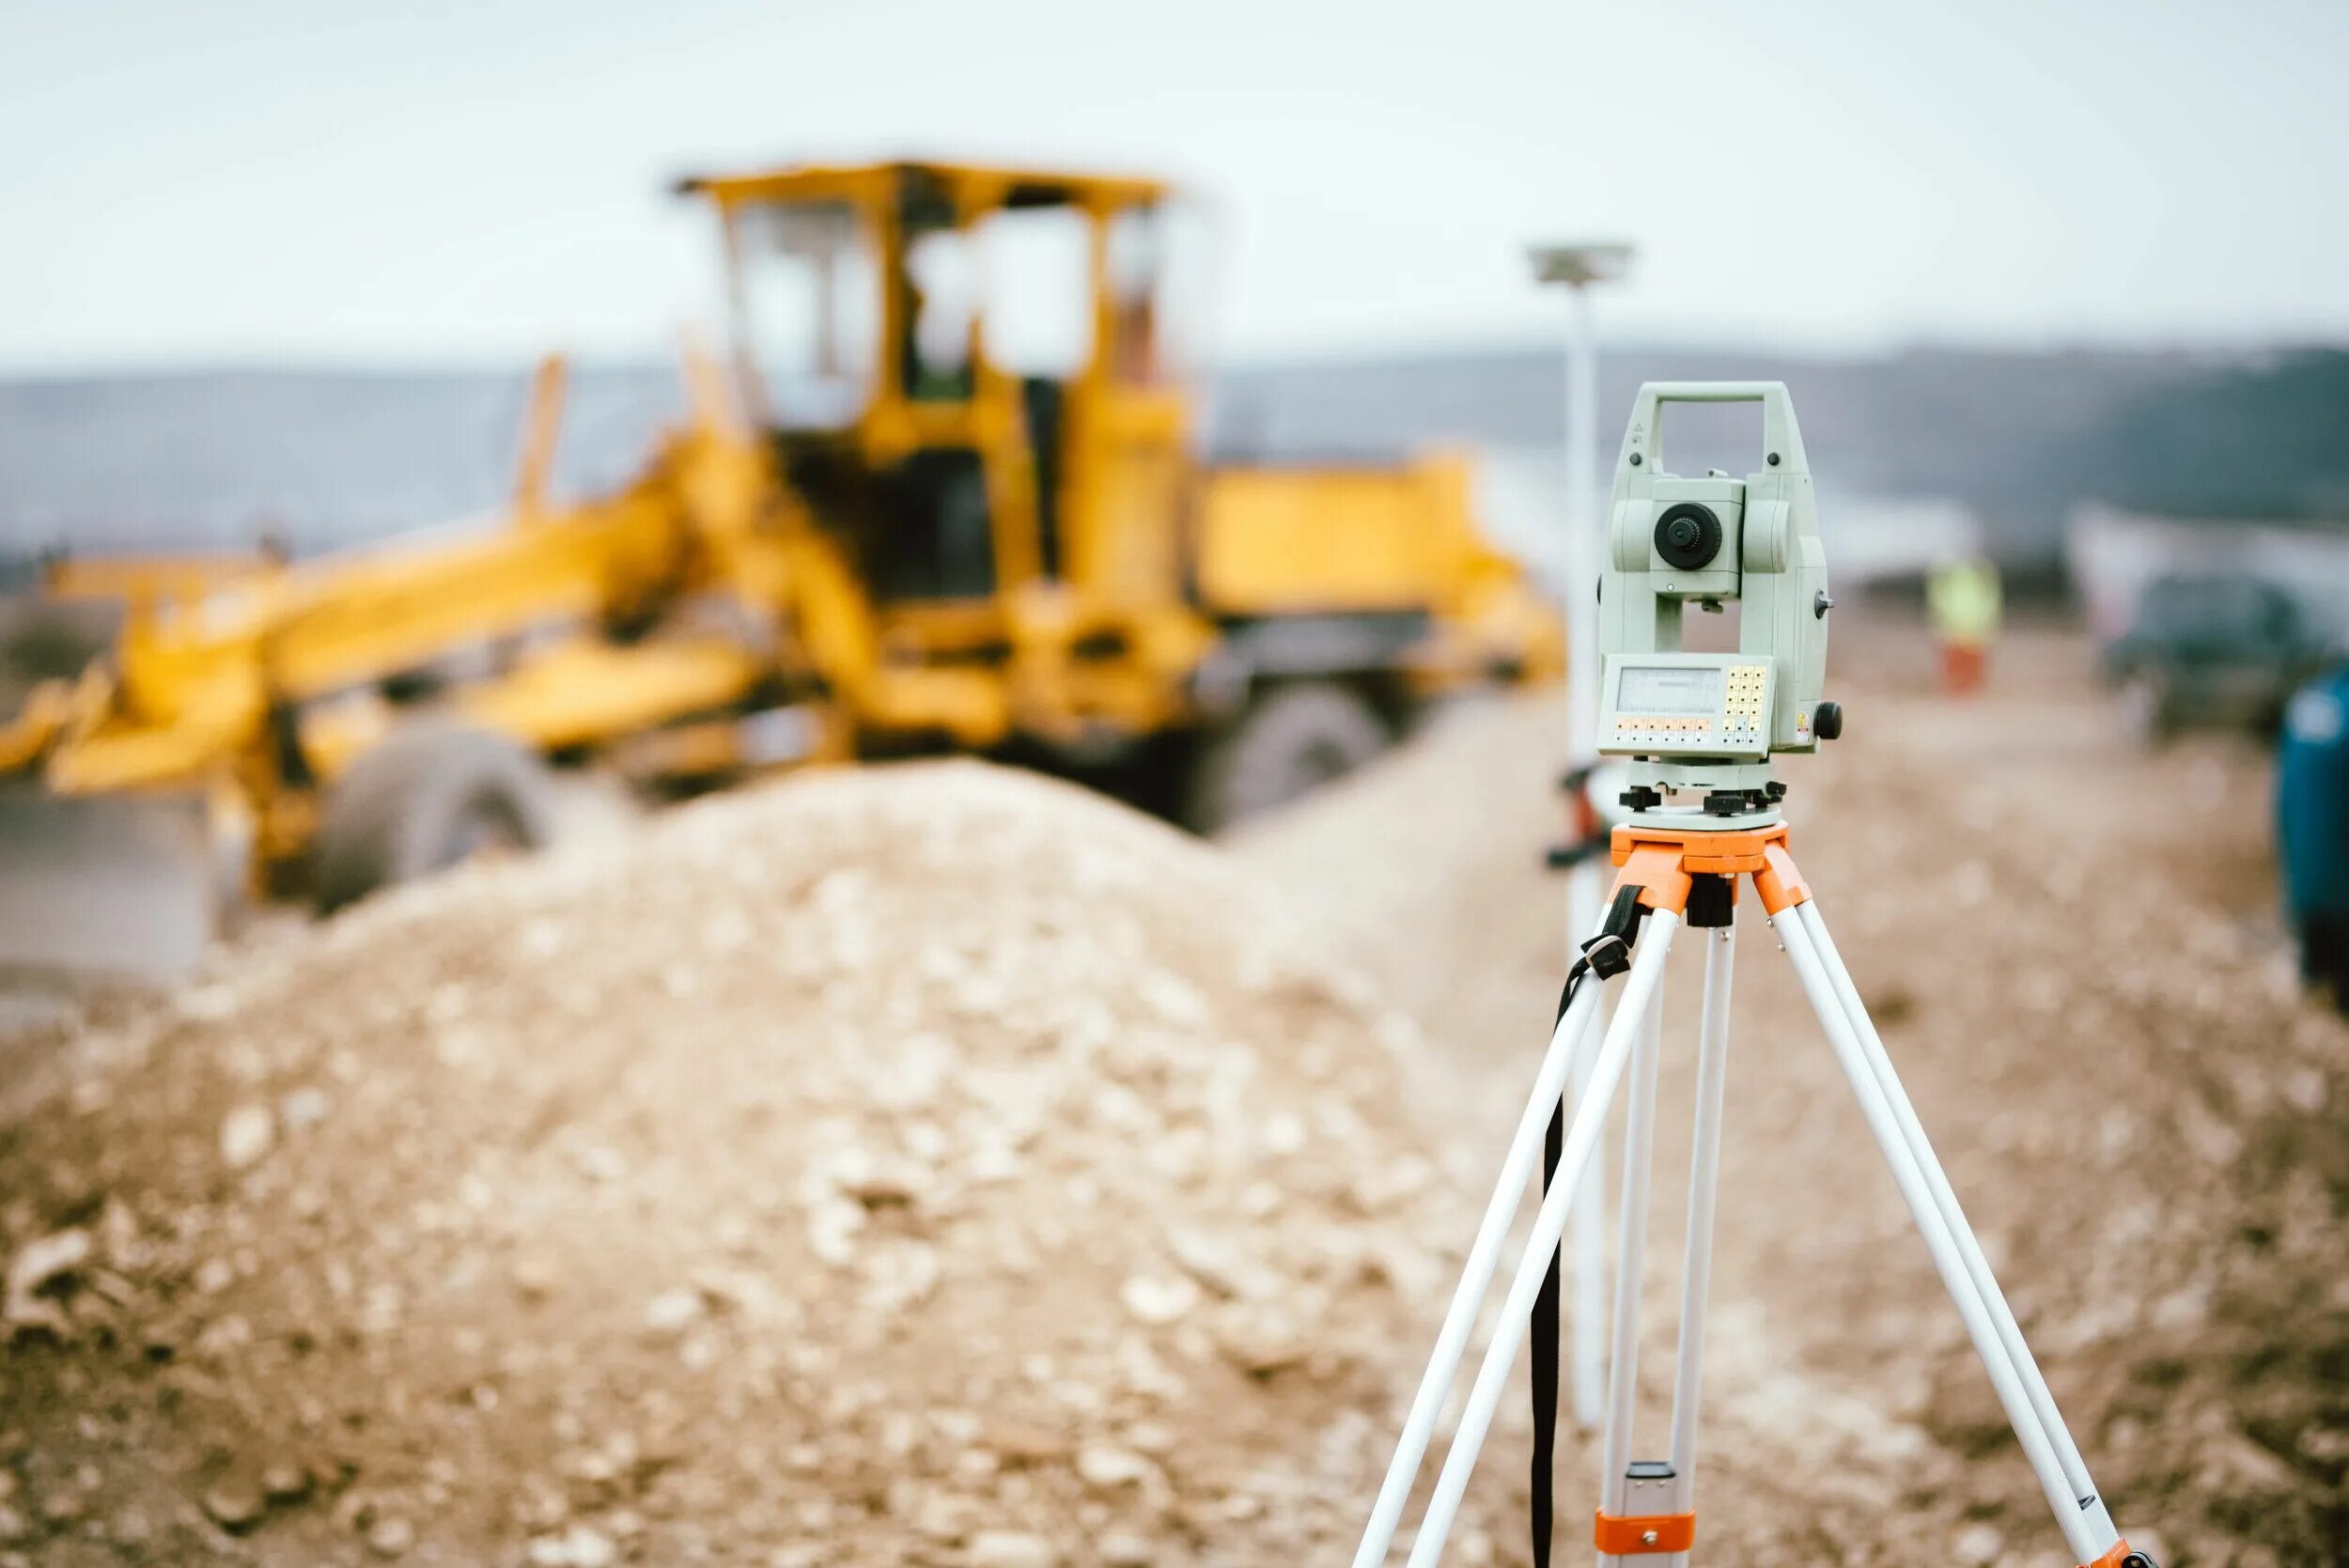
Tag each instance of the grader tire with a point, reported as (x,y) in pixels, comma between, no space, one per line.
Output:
(423,800)
(1291,740)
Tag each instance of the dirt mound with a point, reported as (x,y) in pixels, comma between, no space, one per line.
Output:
(2070,950)
(921,1165)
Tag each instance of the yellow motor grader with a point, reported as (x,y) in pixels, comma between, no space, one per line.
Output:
(942,493)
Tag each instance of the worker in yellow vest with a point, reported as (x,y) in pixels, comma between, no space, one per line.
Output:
(1963,599)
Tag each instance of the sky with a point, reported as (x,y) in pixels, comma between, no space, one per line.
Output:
(203,182)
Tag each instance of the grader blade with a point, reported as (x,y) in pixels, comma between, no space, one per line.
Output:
(96,892)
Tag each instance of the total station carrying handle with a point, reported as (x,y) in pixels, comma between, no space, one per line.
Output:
(1781,438)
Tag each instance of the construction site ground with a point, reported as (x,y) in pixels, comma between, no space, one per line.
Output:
(939,1165)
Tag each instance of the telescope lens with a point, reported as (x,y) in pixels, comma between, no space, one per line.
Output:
(1688,536)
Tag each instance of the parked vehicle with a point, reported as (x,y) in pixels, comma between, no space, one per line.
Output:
(2211,651)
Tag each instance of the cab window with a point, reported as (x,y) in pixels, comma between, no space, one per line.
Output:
(807,311)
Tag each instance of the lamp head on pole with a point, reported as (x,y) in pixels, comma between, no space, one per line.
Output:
(1581,262)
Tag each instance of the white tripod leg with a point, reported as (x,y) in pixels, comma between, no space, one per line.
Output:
(2083,1538)
(1969,1246)
(1704,1165)
(1586,1266)
(1623,1357)
(1549,1223)
(1476,1276)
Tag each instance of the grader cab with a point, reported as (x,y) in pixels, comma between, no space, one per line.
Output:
(961,375)
(974,380)
(943,492)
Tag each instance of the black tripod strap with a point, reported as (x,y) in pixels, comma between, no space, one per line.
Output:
(1545,1332)
(1546,1338)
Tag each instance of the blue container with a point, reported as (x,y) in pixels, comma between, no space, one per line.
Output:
(2312,825)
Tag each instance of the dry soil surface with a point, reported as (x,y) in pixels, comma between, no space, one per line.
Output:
(939,1165)
(2070,949)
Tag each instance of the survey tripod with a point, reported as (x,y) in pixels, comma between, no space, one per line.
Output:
(1679,868)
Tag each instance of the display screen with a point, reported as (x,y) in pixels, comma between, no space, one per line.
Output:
(1668,690)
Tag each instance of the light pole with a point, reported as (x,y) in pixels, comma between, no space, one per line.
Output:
(1578,266)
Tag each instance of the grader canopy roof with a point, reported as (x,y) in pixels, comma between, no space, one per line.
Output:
(977,186)
(881,297)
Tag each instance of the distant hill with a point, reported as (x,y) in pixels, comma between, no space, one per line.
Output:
(323,457)
(2019,437)
(2267,441)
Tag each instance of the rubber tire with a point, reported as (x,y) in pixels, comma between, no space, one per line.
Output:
(416,804)
(1291,740)
(2324,959)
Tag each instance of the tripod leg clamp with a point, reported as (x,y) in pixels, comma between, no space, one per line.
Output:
(1639,1534)
(2122,1556)
(1656,870)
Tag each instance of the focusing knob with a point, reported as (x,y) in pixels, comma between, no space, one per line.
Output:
(1687,534)
(1827,721)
